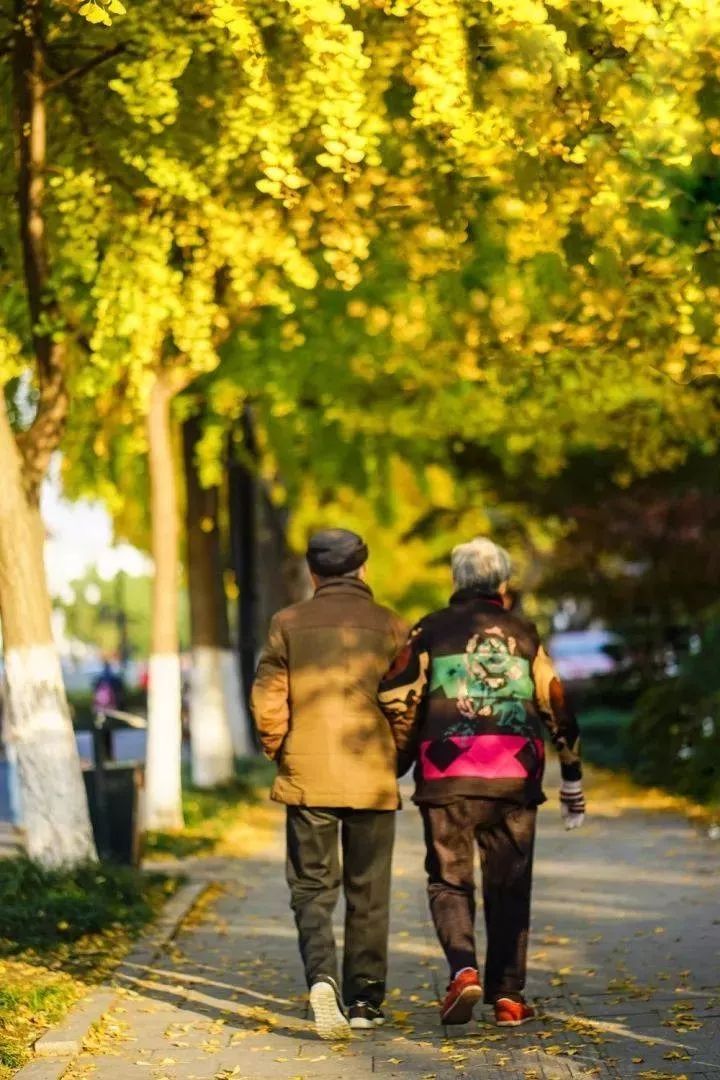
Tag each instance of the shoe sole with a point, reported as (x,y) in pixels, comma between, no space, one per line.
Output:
(461,1010)
(515,1023)
(360,1024)
(329,1020)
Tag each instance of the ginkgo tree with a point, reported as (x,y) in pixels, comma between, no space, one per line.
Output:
(107,196)
(554,301)
(215,212)
(526,169)
(237,181)
(37,346)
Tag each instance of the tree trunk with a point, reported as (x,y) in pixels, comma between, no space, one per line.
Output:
(238,719)
(243,538)
(37,719)
(39,443)
(210,735)
(241,727)
(283,576)
(163,796)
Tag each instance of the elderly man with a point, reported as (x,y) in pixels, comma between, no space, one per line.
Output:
(465,700)
(316,711)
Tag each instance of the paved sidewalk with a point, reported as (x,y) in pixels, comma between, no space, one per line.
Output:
(624,962)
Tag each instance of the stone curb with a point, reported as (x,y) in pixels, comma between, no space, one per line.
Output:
(42,1070)
(66,1040)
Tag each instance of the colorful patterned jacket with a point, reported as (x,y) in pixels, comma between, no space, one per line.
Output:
(467,700)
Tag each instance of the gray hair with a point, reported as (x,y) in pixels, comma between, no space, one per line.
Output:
(480,563)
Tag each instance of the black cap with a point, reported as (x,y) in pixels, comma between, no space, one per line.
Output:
(334,552)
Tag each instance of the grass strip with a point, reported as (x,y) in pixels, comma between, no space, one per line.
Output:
(62,932)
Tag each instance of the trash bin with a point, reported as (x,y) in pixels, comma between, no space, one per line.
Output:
(114,792)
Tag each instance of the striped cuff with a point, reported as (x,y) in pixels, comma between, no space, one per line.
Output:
(572,798)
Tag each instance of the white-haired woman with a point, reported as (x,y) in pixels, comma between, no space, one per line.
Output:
(467,700)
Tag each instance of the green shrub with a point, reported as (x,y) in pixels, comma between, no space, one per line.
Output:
(603,733)
(61,931)
(675,732)
(40,908)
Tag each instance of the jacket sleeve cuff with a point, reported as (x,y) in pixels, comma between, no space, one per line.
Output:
(272,753)
(571,771)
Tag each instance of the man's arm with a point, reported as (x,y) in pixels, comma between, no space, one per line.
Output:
(403,688)
(562,726)
(400,632)
(270,699)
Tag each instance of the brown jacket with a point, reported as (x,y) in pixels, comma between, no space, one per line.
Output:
(315,699)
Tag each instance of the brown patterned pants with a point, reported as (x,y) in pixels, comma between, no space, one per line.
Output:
(505,834)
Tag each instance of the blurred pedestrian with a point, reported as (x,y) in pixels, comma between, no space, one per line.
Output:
(467,699)
(317,715)
(108,688)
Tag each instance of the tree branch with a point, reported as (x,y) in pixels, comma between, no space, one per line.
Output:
(702,381)
(83,69)
(77,108)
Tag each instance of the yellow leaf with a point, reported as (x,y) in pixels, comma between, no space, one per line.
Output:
(94,14)
(293,181)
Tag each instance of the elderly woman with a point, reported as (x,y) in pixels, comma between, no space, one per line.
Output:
(467,699)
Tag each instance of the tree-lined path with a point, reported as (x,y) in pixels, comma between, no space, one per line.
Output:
(624,961)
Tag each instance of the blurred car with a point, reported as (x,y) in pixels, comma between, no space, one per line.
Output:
(586,657)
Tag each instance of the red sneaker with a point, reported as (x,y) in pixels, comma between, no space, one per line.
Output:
(463,994)
(509,1013)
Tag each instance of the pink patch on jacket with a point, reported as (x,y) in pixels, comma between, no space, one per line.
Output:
(491,757)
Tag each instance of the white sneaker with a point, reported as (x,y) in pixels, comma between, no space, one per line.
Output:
(330,1020)
(365,1017)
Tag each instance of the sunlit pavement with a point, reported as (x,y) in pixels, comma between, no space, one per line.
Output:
(624,966)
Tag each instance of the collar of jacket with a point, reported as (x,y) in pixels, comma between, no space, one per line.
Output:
(472,595)
(347,585)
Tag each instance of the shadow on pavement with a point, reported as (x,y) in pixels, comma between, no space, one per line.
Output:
(623,964)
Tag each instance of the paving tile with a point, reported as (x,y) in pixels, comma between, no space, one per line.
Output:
(616,920)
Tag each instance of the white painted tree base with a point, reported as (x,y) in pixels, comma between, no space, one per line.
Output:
(211,743)
(163,789)
(243,744)
(37,722)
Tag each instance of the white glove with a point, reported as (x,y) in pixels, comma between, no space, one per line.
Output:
(572,803)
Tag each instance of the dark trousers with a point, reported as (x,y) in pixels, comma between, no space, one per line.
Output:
(314,877)
(505,834)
